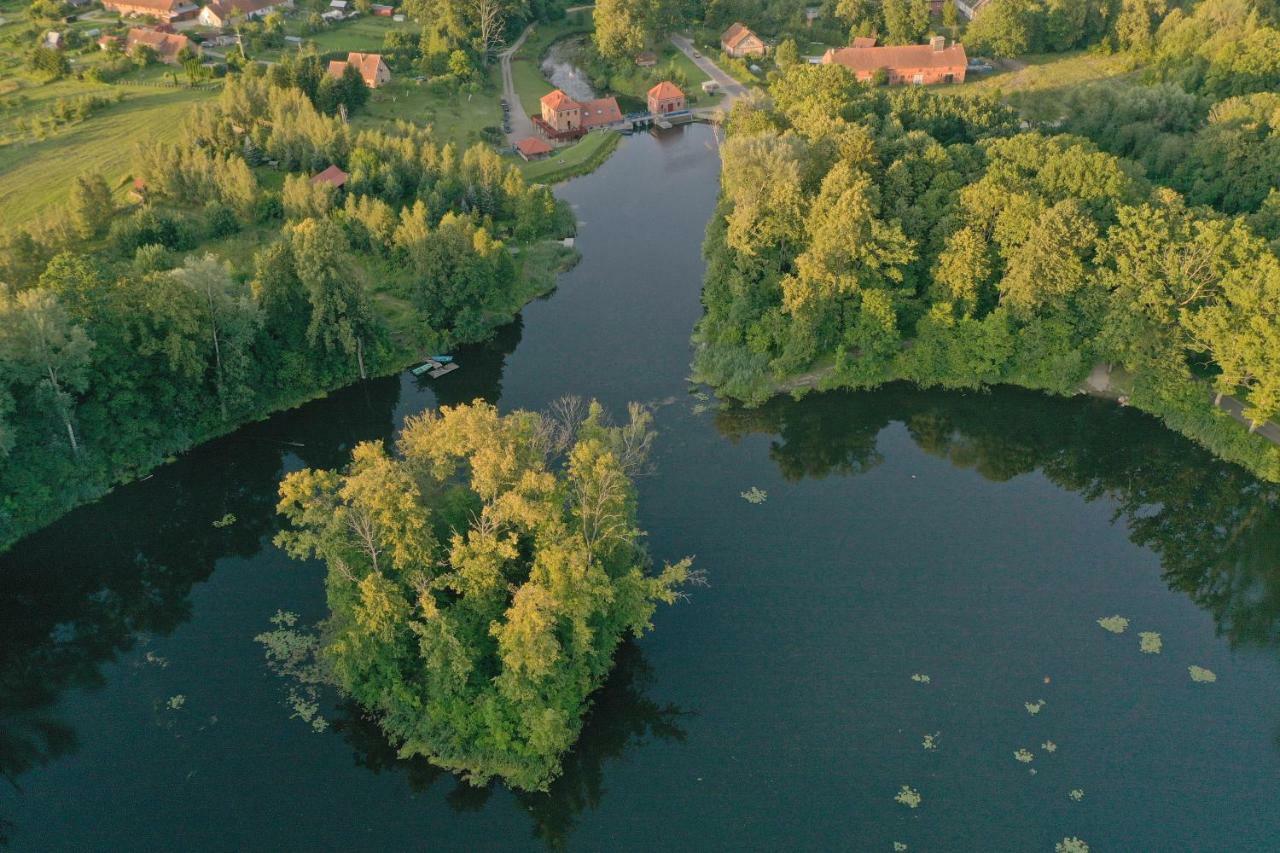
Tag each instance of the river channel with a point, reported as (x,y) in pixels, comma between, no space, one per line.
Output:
(915,602)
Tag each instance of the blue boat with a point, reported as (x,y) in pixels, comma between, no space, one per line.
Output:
(443,359)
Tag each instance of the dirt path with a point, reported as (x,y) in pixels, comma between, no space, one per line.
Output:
(521,127)
(1099,384)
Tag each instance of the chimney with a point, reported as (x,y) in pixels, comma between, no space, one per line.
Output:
(939,42)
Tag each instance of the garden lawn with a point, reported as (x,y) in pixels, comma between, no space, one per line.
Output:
(456,118)
(365,33)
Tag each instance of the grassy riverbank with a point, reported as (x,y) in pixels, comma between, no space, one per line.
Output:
(579,159)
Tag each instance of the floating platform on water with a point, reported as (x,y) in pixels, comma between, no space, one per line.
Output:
(434,368)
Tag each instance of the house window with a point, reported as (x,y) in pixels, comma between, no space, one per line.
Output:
(948,78)
(918,79)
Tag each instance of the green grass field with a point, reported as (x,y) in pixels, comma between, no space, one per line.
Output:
(525,71)
(36,174)
(1035,84)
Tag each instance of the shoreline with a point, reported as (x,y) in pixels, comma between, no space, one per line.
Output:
(1256,451)
(398,362)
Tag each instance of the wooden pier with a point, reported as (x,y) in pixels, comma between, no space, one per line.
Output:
(433,368)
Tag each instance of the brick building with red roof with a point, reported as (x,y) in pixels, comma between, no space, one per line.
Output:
(922,64)
(666,97)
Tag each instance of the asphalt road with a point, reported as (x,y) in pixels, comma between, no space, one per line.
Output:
(732,88)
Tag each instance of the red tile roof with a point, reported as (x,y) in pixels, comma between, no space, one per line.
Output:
(332,175)
(166,45)
(600,112)
(735,34)
(365,63)
(159,6)
(864,41)
(558,100)
(897,56)
(532,146)
(664,90)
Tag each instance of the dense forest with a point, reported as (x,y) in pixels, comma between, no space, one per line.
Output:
(128,333)
(480,579)
(866,235)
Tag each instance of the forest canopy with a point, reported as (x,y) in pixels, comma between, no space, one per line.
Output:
(481,578)
(867,235)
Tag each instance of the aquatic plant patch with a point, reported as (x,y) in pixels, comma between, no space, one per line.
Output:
(1150,642)
(1202,675)
(908,797)
(1114,624)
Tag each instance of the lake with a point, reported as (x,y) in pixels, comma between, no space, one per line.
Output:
(922,564)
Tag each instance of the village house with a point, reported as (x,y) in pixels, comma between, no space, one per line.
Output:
(382,11)
(920,64)
(666,97)
(738,41)
(533,148)
(222,13)
(564,117)
(167,46)
(166,11)
(370,65)
(333,176)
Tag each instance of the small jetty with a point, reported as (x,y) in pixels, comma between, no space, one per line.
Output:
(435,368)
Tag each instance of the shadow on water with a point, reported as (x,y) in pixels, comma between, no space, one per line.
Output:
(1213,525)
(621,716)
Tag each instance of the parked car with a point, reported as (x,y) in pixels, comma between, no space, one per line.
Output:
(980,66)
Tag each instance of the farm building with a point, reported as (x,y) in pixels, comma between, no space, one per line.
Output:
(738,41)
(921,64)
(162,10)
(370,65)
(166,45)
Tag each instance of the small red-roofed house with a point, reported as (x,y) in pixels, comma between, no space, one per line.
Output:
(666,97)
(738,41)
(333,176)
(370,65)
(533,148)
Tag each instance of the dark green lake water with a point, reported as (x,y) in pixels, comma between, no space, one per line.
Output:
(973,538)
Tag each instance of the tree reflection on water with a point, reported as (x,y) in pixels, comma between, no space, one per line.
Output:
(1214,526)
(622,716)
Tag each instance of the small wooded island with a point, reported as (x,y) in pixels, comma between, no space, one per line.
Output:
(480,579)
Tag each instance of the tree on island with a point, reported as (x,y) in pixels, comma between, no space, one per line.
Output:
(481,578)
